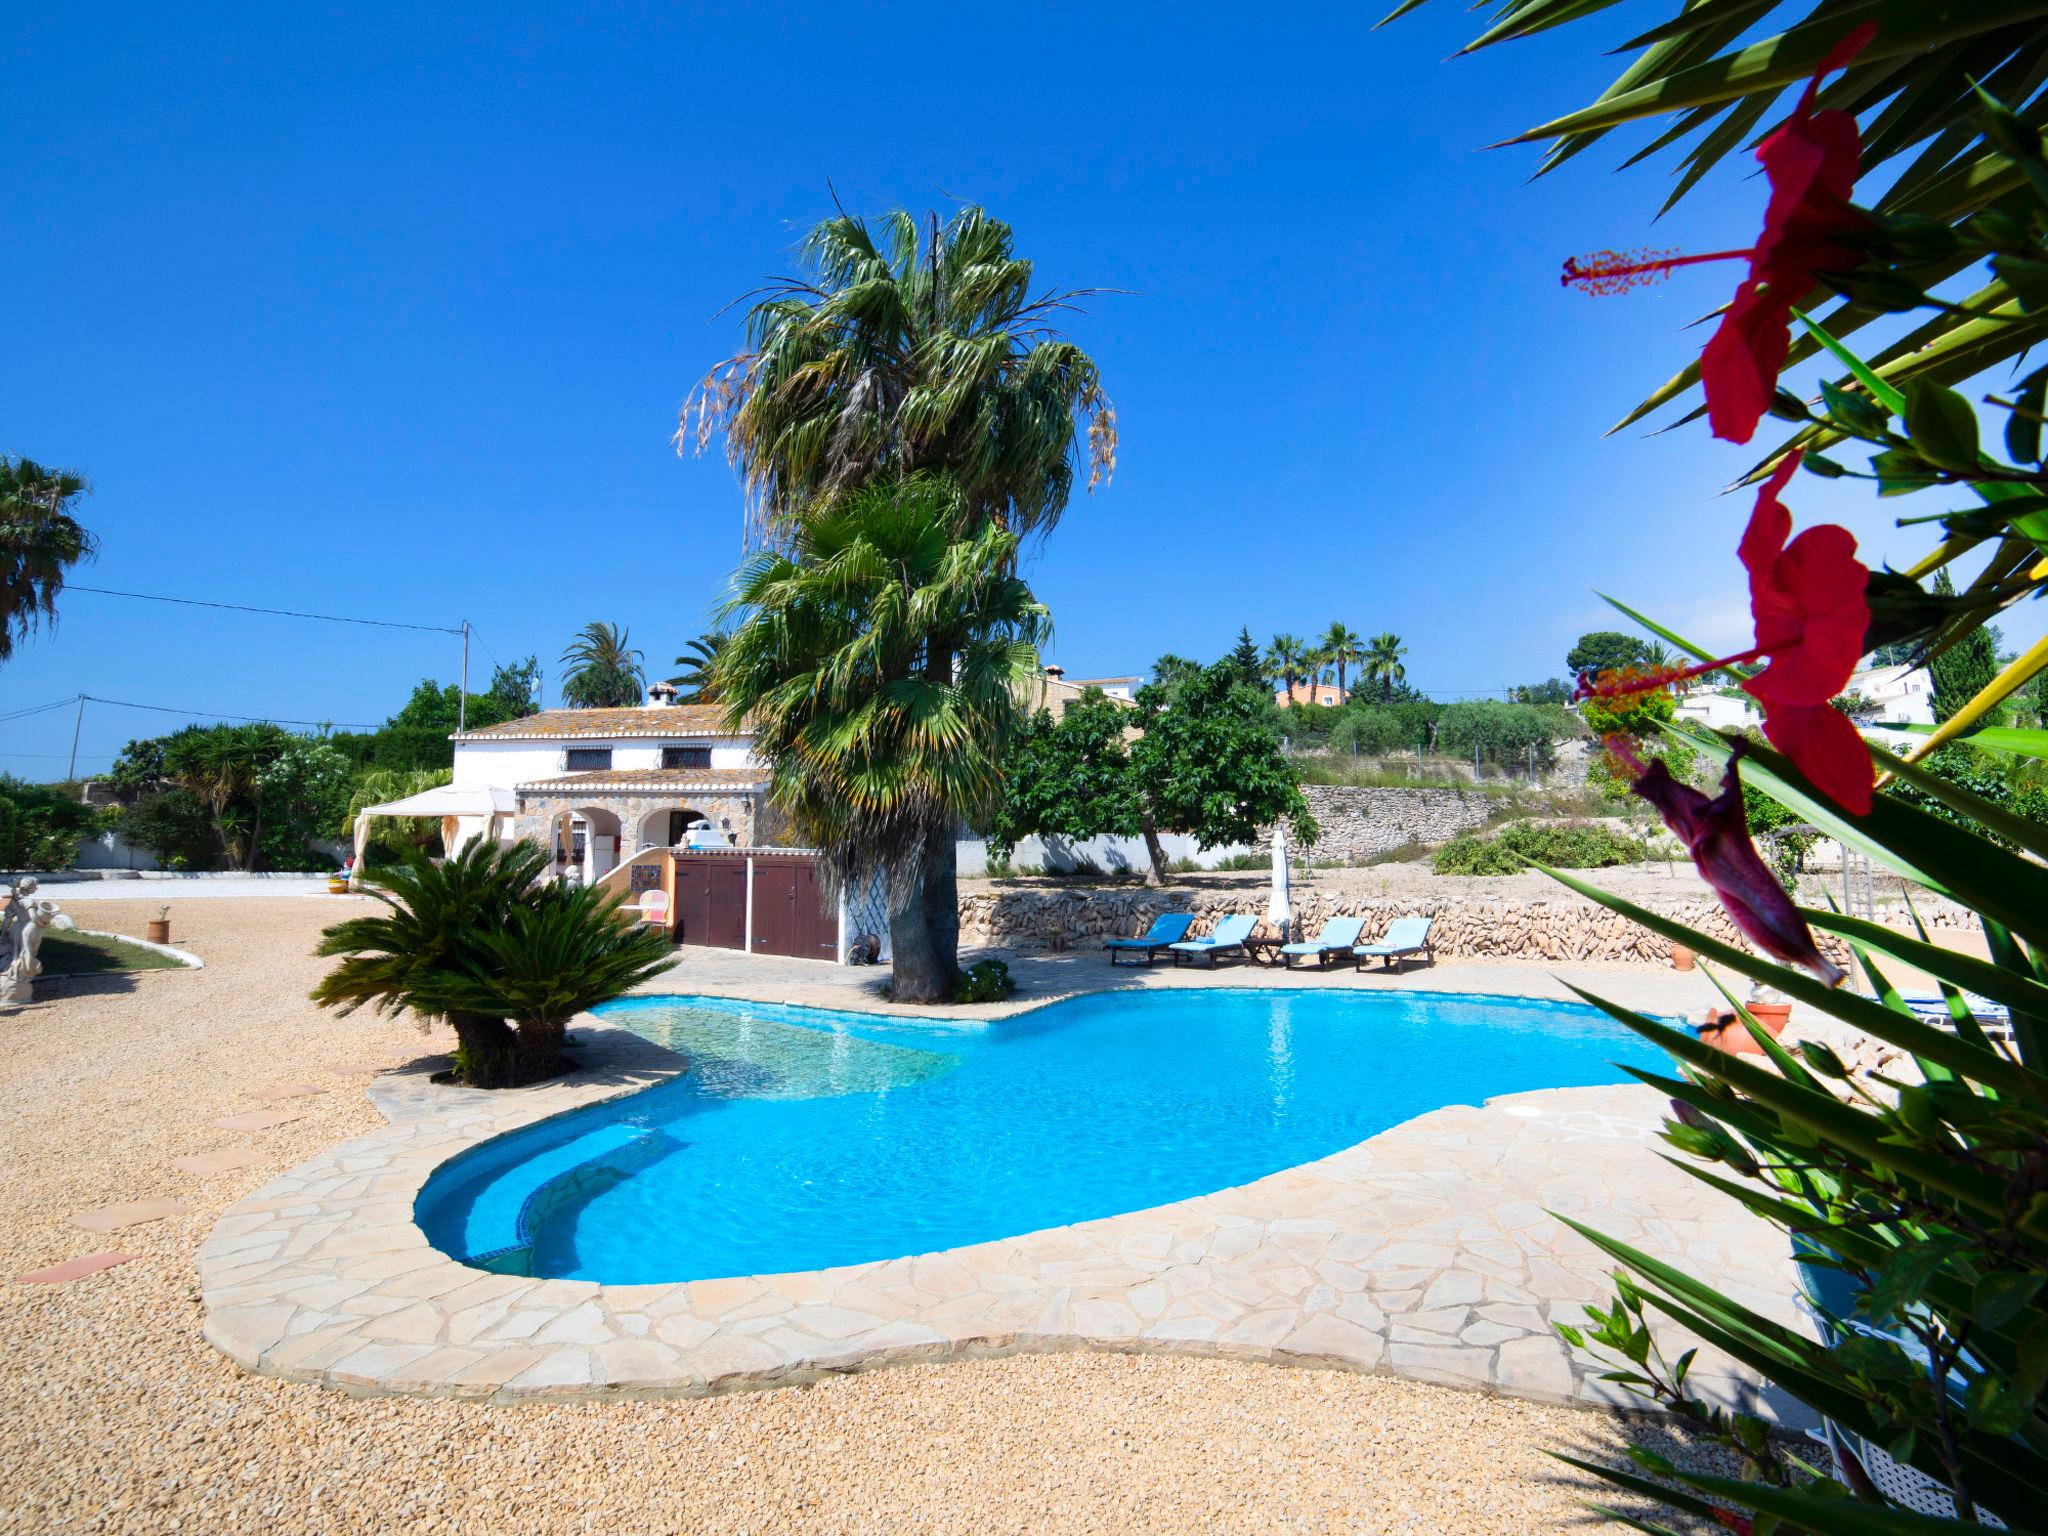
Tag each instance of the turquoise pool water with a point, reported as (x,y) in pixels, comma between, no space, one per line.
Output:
(801,1138)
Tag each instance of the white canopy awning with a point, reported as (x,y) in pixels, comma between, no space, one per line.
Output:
(448,800)
(482,807)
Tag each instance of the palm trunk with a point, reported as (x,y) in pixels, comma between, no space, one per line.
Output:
(255,838)
(538,1049)
(941,901)
(917,972)
(486,1051)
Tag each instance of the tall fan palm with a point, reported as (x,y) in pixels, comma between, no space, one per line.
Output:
(698,661)
(1288,658)
(880,663)
(1345,649)
(39,541)
(895,354)
(1383,663)
(603,671)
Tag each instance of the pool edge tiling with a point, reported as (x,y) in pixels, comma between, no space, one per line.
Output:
(1425,1251)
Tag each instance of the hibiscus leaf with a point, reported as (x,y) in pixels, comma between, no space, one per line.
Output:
(1965,971)
(1941,425)
(1907,1033)
(2023,741)
(1916,843)
(1655,628)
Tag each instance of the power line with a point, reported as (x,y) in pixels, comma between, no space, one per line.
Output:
(214,714)
(39,709)
(280,613)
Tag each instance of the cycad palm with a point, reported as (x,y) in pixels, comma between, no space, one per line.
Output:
(39,541)
(880,666)
(896,355)
(1345,649)
(603,671)
(1383,663)
(472,939)
(1288,658)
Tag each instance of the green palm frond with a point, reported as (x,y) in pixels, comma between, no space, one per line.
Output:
(899,351)
(1715,79)
(39,541)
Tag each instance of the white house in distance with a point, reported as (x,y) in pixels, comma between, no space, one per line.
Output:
(599,783)
(1902,695)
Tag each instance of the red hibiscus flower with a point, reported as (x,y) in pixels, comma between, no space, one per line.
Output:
(1716,833)
(1807,598)
(1811,163)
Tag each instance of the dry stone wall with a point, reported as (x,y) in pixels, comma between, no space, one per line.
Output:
(1464,928)
(1360,823)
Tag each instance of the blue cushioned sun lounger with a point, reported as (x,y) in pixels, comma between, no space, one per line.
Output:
(1228,934)
(1167,928)
(1338,935)
(1407,936)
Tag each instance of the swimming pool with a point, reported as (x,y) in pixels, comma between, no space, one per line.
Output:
(801,1139)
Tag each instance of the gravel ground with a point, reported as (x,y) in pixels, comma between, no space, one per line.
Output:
(116,1416)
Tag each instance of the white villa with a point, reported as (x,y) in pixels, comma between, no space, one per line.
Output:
(1903,695)
(601,784)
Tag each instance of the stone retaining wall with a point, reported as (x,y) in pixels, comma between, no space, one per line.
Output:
(1359,823)
(1495,929)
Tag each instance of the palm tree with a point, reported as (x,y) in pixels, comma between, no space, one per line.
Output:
(880,662)
(1383,663)
(471,939)
(603,672)
(222,766)
(39,541)
(699,658)
(895,354)
(1344,648)
(1287,658)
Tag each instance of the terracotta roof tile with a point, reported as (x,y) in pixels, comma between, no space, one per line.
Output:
(654,720)
(681,780)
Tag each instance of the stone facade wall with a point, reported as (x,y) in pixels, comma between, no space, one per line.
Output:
(735,815)
(1465,928)
(1360,823)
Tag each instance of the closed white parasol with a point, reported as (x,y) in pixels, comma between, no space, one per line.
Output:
(1278,913)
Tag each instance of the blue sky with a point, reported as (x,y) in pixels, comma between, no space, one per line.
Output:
(388,311)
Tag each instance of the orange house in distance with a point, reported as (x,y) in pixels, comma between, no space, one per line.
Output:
(1311,693)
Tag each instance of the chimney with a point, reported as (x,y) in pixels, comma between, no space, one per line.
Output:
(660,695)
(1055,671)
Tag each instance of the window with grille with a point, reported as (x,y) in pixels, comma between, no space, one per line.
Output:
(587,759)
(686,757)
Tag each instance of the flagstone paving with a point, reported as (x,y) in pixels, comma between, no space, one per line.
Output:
(1425,1252)
(226,1160)
(134,1213)
(64,1272)
(257,1120)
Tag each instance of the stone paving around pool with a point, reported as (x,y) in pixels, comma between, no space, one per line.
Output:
(1425,1251)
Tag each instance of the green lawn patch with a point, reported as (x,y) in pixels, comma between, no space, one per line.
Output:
(89,954)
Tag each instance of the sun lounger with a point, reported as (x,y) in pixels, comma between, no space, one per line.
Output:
(1167,928)
(1228,934)
(1338,935)
(1407,936)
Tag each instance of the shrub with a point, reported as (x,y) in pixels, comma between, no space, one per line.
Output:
(1574,845)
(986,981)
(173,826)
(1502,732)
(41,825)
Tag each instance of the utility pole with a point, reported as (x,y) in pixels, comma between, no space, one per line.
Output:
(462,693)
(72,771)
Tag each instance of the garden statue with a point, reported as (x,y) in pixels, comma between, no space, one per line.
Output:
(22,926)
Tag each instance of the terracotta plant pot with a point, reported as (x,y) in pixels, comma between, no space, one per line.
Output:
(1737,1041)
(1771,1016)
(157,930)
(1681,958)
